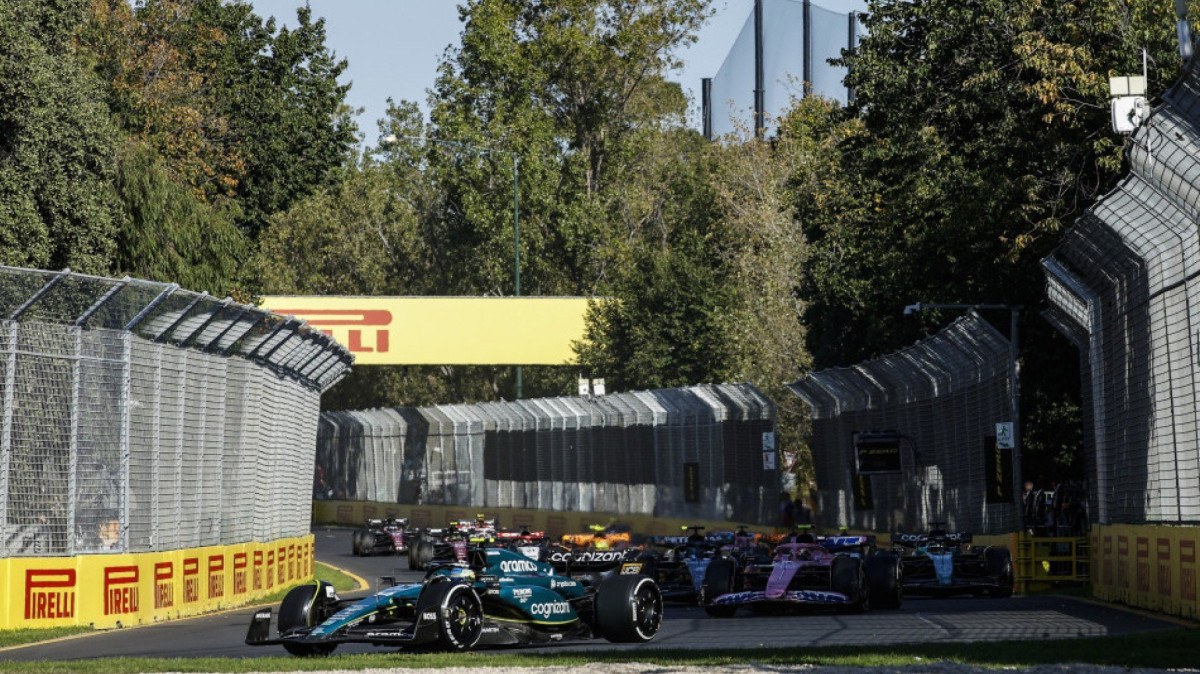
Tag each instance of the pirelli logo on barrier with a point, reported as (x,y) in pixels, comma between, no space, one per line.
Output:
(164,585)
(1187,570)
(49,594)
(270,569)
(1163,550)
(240,561)
(120,590)
(1143,564)
(1123,562)
(191,580)
(216,576)
(256,572)
(1108,560)
(281,565)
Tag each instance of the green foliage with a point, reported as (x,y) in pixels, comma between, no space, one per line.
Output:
(56,144)
(170,234)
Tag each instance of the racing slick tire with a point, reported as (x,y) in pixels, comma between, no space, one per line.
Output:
(884,586)
(460,614)
(719,579)
(425,553)
(629,609)
(305,606)
(358,543)
(999,566)
(846,576)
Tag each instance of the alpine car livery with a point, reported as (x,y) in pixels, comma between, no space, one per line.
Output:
(839,571)
(498,597)
(944,563)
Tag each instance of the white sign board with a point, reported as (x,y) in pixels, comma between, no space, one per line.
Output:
(768,441)
(768,460)
(1004,435)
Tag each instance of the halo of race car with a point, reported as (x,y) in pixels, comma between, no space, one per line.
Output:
(488,586)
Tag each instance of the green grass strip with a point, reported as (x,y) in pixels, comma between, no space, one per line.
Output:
(1165,650)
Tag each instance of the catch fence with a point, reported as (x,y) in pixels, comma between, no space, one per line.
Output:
(925,422)
(796,40)
(1122,286)
(136,416)
(706,452)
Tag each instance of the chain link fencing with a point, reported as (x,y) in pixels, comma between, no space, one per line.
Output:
(706,452)
(932,408)
(1122,286)
(137,417)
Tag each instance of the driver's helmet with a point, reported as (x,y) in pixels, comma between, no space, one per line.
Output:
(600,544)
(462,573)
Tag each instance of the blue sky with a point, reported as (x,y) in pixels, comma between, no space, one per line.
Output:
(393,46)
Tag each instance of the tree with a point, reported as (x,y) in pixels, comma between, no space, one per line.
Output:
(56,144)
(236,109)
(978,132)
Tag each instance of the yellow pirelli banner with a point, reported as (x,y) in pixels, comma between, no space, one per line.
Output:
(1149,566)
(129,589)
(445,330)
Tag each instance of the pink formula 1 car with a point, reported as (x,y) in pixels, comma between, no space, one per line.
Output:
(843,572)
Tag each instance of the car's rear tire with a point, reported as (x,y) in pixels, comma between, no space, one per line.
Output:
(460,614)
(999,566)
(628,608)
(425,553)
(720,578)
(360,543)
(884,585)
(305,606)
(846,576)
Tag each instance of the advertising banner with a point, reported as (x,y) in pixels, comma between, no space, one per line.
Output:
(445,330)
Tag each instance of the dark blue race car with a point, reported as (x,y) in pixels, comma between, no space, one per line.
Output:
(496,597)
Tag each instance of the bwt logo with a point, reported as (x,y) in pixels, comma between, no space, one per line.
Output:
(191,579)
(216,576)
(49,593)
(120,589)
(240,562)
(164,585)
(348,326)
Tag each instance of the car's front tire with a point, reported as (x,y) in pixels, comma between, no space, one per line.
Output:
(305,606)
(719,579)
(884,585)
(846,576)
(459,614)
(629,608)
(999,566)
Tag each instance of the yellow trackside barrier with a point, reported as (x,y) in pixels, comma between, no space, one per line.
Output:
(130,589)
(1043,561)
(1148,566)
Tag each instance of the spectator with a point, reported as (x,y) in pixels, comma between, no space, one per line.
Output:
(801,511)
(787,511)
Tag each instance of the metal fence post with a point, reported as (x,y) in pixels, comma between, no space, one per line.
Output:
(6,448)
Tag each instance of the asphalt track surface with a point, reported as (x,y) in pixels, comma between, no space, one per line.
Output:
(919,620)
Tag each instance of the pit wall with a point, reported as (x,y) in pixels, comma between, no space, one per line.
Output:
(1147,566)
(106,591)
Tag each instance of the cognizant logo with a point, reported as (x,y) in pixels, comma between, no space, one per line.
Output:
(549,608)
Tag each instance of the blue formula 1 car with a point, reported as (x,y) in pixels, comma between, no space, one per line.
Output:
(941,563)
(497,597)
(842,572)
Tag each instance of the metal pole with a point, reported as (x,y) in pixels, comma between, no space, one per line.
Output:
(1015,376)
(517,250)
(806,45)
(759,104)
(706,106)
